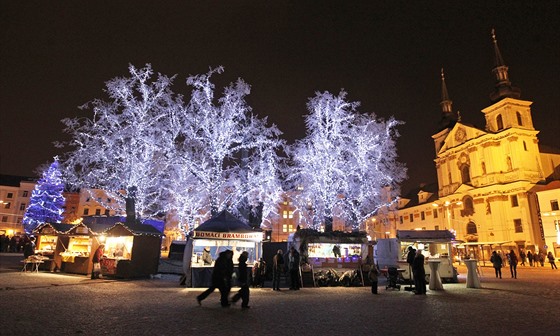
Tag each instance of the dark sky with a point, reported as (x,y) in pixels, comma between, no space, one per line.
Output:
(57,55)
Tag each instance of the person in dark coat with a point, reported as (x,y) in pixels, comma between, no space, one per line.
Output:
(293,268)
(372,276)
(550,257)
(496,261)
(419,273)
(243,280)
(513,264)
(96,260)
(29,247)
(221,278)
(277,269)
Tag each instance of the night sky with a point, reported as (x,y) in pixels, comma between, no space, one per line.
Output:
(57,55)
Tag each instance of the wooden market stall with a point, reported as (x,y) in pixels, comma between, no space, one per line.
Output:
(220,233)
(48,245)
(131,250)
(78,245)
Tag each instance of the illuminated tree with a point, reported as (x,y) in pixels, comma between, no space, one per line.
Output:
(344,162)
(46,202)
(120,150)
(159,155)
(227,154)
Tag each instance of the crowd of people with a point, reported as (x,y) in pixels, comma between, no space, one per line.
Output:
(15,243)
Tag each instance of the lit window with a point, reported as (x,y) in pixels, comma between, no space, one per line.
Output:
(285,228)
(285,214)
(291,228)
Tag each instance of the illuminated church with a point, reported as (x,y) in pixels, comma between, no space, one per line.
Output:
(488,180)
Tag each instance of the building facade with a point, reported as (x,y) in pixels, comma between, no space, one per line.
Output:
(487,178)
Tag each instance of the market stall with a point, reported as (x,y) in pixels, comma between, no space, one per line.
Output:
(77,244)
(220,233)
(131,250)
(47,244)
(330,249)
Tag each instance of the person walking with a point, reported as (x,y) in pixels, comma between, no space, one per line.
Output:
(372,276)
(551,260)
(221,278)
(513,264)
(530,258)
(293,268)
(419,273)
(96,260)
(523,257)
(277,269)
(243,280)
(496,261)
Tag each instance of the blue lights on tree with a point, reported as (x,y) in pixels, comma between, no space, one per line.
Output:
(46,202)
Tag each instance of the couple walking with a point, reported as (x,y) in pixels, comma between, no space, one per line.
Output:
(221,279)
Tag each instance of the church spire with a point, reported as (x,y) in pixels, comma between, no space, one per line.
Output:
(448,118)
(446,103)
(503,86)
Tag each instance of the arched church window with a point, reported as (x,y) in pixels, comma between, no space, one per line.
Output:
(465,174)
(519,119)
(471,228)
(468,206)
(499,122)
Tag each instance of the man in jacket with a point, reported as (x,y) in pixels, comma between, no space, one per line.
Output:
(221,278)
(419,273)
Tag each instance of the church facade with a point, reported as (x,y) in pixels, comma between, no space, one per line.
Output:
(488,180)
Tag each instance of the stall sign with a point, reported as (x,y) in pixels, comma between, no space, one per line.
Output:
(82,230)
(229,235)
(48,230)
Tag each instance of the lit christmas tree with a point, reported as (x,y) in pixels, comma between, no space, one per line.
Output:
(46,203)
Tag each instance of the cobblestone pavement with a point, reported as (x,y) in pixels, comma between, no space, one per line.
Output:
(53,303)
